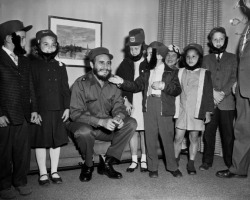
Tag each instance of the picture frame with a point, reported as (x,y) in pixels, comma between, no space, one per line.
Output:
(76,38)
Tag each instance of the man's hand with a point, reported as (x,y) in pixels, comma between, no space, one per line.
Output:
(234,87)
(118,121)
(208,117)
(116,80)
(107,123)
(218,96)
(158,85)
(4,121)
(128,105)
(65,115)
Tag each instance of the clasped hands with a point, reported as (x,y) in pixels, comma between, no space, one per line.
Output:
(112,123)
(218,96)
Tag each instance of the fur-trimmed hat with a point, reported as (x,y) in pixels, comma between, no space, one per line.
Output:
(136,37)
(160,47)
(43,33)
(194,46)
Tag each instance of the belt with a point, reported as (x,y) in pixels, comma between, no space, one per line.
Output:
(155,95)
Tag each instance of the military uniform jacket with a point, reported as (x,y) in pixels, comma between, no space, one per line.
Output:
(17,97)
(51,85)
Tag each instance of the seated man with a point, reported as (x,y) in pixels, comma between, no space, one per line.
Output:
(98,113)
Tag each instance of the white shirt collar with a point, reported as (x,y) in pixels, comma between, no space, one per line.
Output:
(7,50)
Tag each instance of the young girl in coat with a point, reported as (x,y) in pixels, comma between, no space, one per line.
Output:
(195,104)
(53,95)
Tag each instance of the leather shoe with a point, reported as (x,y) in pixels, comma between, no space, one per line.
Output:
(177,173)
(153,174)
(106,167)
(86,173)
(228,174)
(7,194)
(44,182)
(143,169)
(57,180)
(190,168)
(130,169)
(204,166)
(24,190)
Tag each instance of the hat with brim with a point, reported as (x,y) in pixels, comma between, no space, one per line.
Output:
(12,26)
(44,33)
(99,51)
(160,48)
(195,46)
(136,37)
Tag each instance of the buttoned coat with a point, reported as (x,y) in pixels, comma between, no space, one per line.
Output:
(223,76)
(17,97)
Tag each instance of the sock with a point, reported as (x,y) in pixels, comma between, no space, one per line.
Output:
(143,161)
(134,161)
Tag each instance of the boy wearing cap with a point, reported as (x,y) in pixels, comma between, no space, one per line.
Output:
(53,96)
(160,86)
(130,68)
(98,113)
(17,101)
(223,68)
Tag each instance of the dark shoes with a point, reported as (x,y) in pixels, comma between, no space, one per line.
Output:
(44,182)
(153,174)
(130,169)
(143,169)
(24,190)
(7,194)
(106,167)
(86,173)
(204,166)
(228,174)
(56,180)
(190,168)
(177,173)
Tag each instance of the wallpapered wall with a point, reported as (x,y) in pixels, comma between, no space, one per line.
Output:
(117,16)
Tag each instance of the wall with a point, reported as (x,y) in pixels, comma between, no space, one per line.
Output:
(229,12)
(118,18)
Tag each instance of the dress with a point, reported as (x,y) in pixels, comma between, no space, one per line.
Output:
(137,101)
(53,94)
(188,98)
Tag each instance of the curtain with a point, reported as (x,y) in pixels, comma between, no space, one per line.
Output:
(181,22)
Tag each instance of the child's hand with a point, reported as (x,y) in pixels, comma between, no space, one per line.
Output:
(65,115)
(128,106)
(218,96)
(158,85)
(208,118)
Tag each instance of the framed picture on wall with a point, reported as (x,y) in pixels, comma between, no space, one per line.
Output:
(76,38)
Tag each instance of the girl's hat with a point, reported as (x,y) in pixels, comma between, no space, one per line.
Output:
(43,33)
(160,47)
(194,46)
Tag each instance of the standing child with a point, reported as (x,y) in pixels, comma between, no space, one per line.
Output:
(53,94)
(160,85)
(130,68)
(195,104)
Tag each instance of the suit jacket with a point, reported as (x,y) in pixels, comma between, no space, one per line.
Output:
(244,64)
(17,97)
(223,76)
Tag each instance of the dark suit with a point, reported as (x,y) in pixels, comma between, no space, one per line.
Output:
(241,150)
(223,76)
(17,100)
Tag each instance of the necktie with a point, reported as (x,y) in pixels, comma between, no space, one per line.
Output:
(218,58)
(15,58)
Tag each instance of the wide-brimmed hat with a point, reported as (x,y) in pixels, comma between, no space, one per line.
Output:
(12,26)
(43,33)
(136,37)
(98,51)
(160,47)
(194,46)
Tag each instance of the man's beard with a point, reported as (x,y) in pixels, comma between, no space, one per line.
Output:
(18,49)
(215,50)
(101,77)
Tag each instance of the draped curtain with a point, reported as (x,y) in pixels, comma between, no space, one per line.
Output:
(181,22)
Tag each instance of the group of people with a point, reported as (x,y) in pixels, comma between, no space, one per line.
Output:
(157,92)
